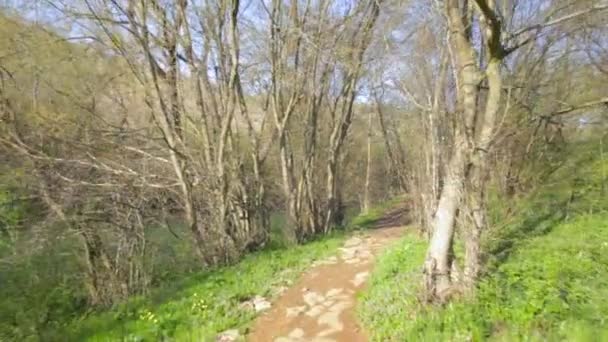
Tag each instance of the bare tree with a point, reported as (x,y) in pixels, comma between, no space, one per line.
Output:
(465,179)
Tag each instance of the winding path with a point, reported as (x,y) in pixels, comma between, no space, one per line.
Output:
(320,307)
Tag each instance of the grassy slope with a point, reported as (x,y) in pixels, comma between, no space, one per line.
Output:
(391,297)
(200,306)
(182,304)
(547,271)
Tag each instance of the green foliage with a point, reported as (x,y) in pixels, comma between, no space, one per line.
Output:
(391,297)
(39,290)
(12,206)
(42,285)
(547,275)
(197,307)
(278,237)
(42,298)
(11,213)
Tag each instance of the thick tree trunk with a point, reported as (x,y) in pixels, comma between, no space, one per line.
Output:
(472,240)
(471,145)
(438,263)
(439,259)
(477,188)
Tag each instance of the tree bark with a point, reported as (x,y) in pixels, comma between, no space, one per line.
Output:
(439,259)
(368,168)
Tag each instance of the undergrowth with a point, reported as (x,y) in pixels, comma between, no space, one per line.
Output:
(198,307)
(182,304)
(546,270)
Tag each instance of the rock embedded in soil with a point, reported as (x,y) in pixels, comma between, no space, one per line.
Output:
(257,303)
(260,304)
(228,336)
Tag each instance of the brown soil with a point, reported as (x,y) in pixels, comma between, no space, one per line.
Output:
(320,307)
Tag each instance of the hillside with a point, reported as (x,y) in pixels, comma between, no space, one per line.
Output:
(546,275)
(293,170)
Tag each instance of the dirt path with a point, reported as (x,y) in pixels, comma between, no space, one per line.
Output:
(320,307)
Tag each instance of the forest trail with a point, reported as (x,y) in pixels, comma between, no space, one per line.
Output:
(320,307)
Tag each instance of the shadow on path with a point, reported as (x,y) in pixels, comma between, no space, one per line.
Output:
(395,217)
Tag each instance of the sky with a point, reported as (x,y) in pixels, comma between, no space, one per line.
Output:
(255,21)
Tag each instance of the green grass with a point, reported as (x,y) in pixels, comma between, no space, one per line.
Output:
(198,307)
(41,297)
(547,270)
(392,293)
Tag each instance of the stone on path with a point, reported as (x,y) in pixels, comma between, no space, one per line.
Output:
(260,304)
(228,336)
(360,278)
(321,306)
(257,303)
(295,311)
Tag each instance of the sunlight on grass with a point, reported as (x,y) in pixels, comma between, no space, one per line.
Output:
(394,285)
(547,274)
(200,306)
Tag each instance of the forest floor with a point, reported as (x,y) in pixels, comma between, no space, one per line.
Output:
(250,299)
(320,306)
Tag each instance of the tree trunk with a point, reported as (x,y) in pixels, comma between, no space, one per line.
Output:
(474,224)
(439,256)
(368,168)
(331,200)
(102,283)
(289,189)
(471,144)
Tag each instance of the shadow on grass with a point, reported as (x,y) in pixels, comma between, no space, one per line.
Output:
(392,213)
(572,187)
(507,240)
